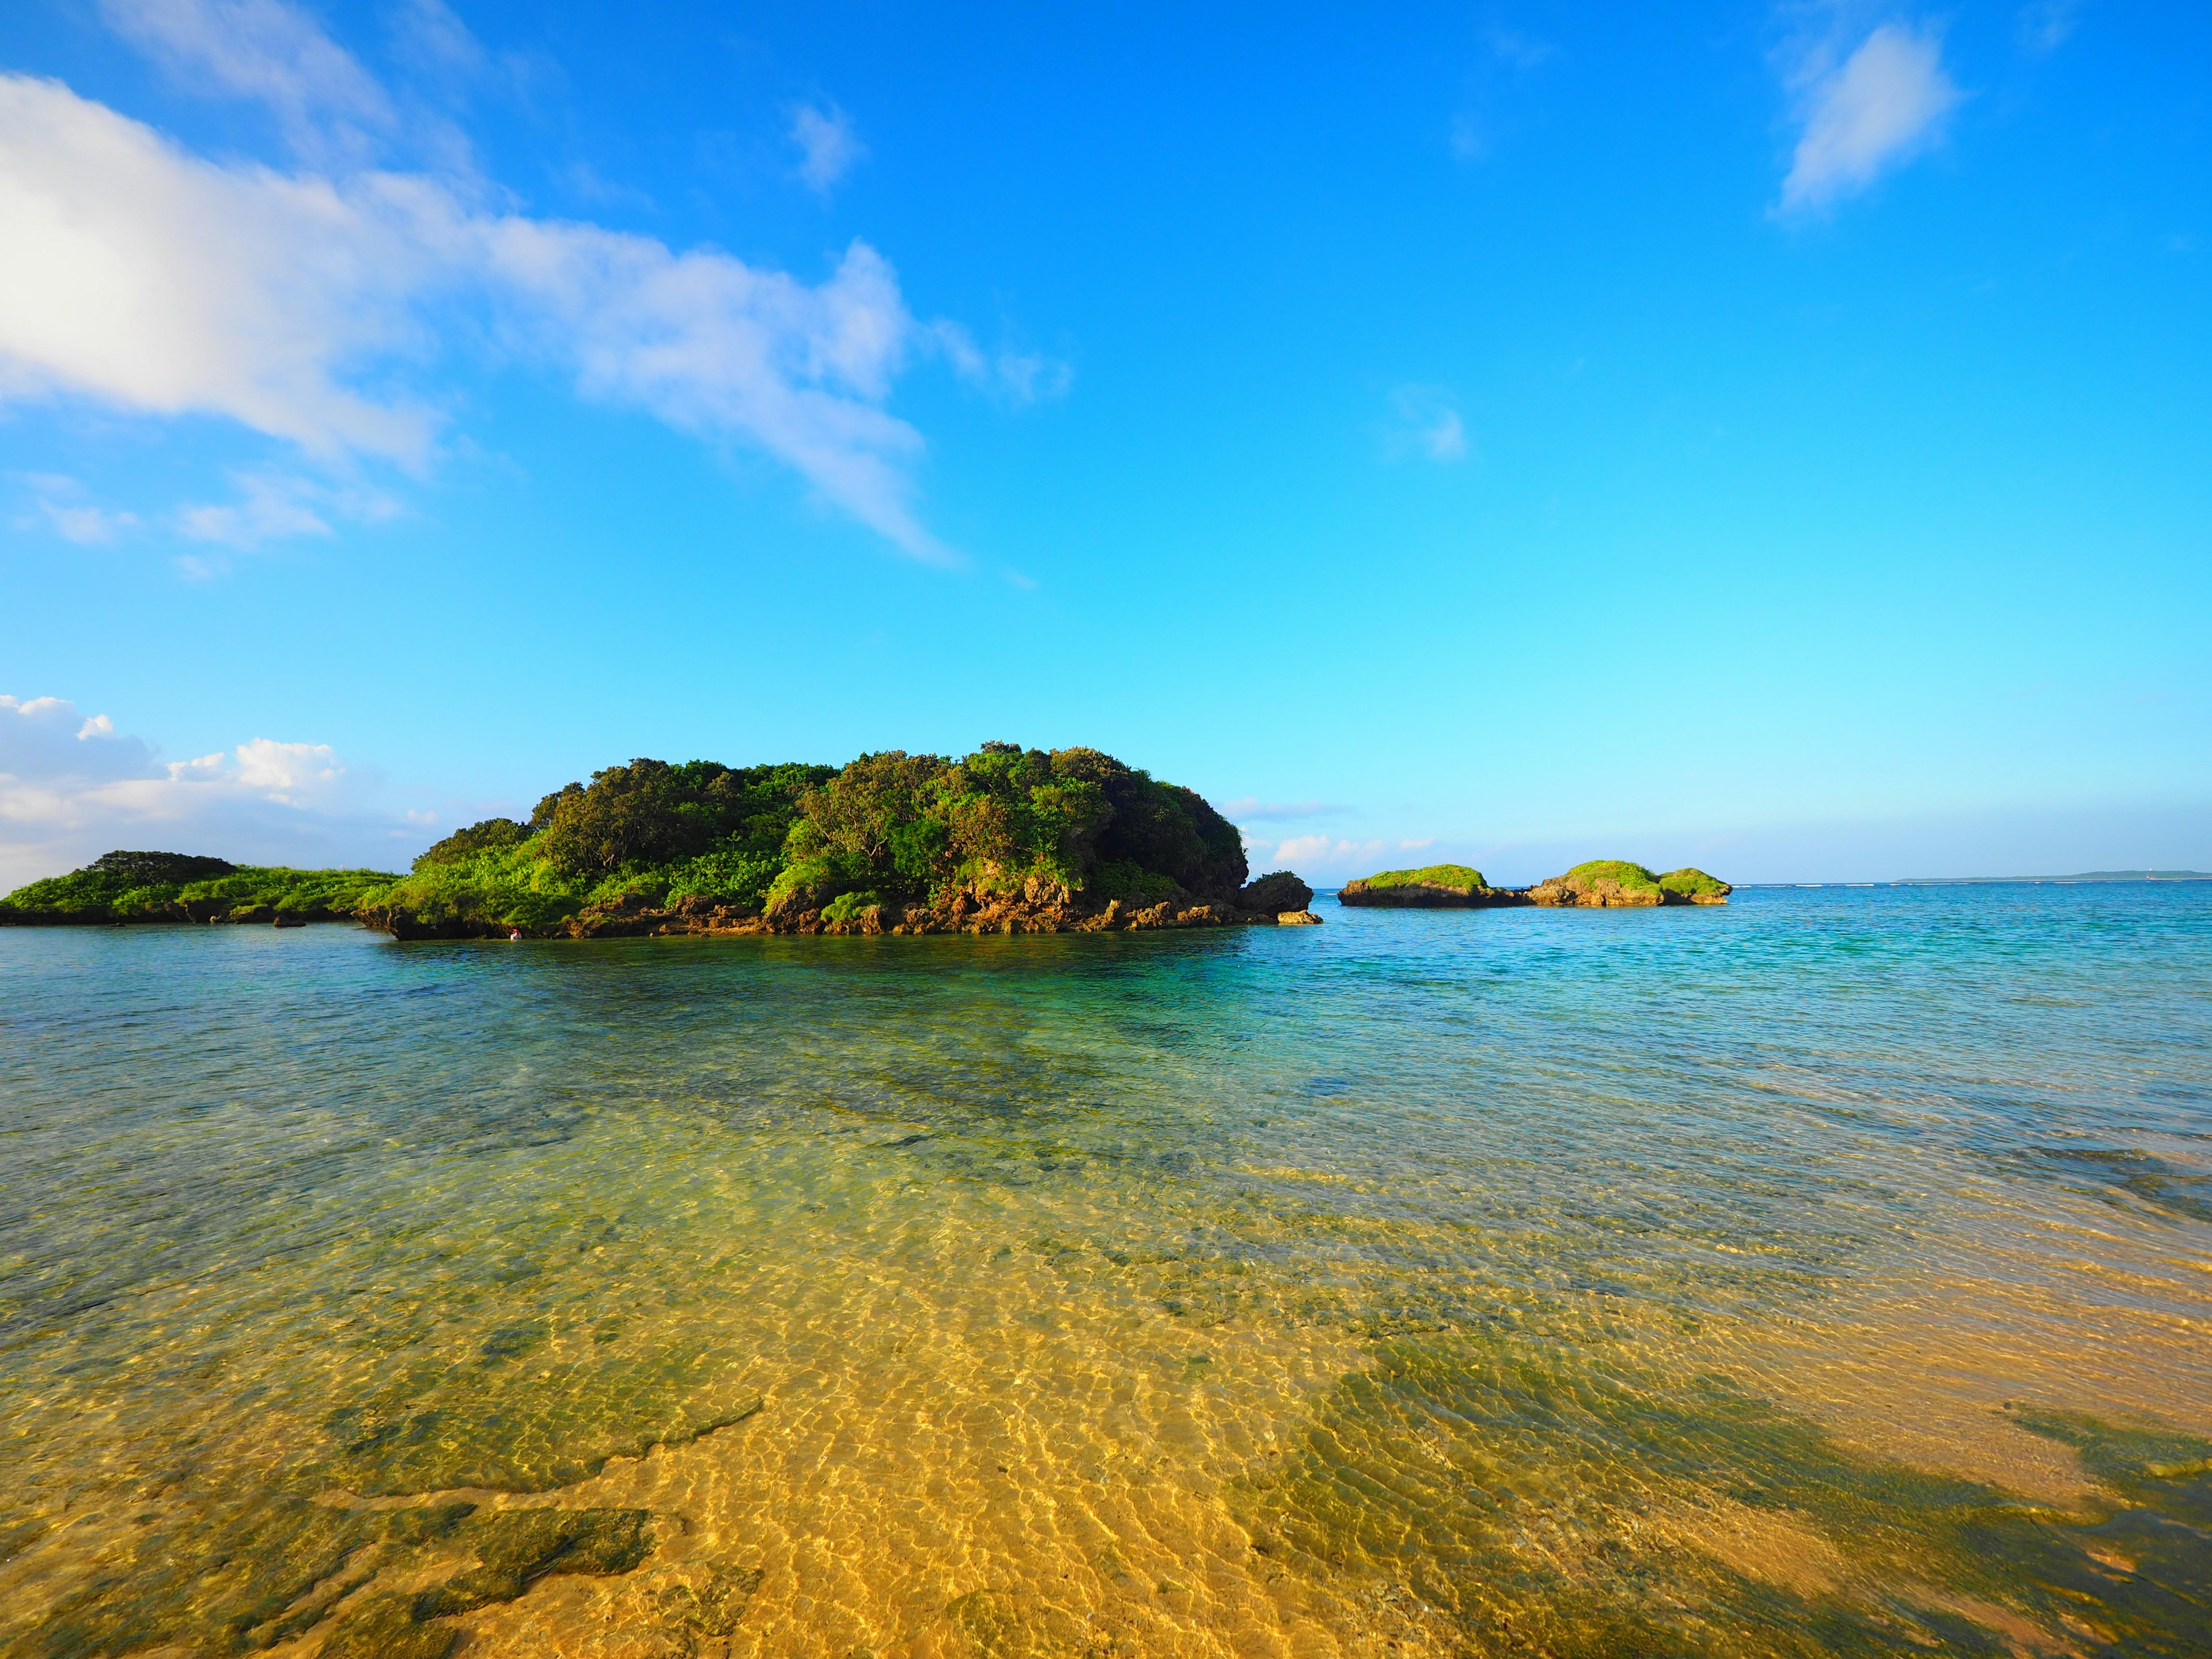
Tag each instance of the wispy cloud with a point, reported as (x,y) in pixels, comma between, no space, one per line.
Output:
(1424,421)
(829,149)
(273,506)
(272,54)
(63,504)
(429,35)
(1017,377)
(1863,114)
(1504,49)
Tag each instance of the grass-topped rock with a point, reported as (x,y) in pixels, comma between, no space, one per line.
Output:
(1609,884)
(1600,884)
(1434,887)
(1689,886)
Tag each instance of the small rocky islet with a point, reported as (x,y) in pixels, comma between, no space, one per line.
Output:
(1004,840)
(1601,884)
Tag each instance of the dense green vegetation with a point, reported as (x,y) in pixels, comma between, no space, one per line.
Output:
(1632,878)
(1434,875)
(888,828)
(1686,883)
(126,886)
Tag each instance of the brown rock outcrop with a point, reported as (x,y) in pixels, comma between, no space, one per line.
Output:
(1278,891)
(1038,908)
(1603,893)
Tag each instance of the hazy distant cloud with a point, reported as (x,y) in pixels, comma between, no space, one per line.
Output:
(828,147)
(1878,107)
(1335,859)
(1253,810)
(72,788)
(1424,421)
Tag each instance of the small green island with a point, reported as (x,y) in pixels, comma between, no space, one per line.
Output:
(1600,884)
(1004,840)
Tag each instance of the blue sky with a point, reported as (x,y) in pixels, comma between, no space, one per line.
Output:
(1775,438)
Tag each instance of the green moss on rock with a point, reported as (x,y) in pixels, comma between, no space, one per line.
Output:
(1434,887)
(1695,887)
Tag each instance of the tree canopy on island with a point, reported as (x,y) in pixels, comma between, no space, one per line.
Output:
(888,828)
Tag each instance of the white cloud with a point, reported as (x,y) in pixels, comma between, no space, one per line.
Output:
(829,149)
(152,280)
(134,273)
(1424,421)
(1879,107)
(71,788)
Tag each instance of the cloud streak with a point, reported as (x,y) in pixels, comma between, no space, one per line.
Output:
(1866,115)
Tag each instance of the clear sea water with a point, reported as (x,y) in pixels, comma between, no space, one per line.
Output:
(1831,1272)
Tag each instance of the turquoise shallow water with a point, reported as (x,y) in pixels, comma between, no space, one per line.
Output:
(1828,1272)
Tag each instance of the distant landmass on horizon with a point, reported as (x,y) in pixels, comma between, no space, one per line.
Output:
(2086,875)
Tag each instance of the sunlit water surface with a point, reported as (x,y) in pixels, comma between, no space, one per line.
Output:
(1828,1273)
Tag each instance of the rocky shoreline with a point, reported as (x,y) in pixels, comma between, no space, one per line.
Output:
(1041,907)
